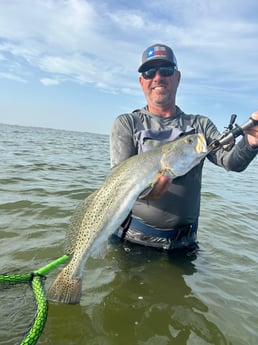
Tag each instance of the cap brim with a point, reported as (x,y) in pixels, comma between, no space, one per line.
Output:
(150,62)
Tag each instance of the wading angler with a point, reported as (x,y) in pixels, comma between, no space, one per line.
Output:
(168,216)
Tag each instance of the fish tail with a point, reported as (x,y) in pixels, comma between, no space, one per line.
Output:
(64,289)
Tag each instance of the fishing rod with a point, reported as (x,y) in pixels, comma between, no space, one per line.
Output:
(233,130)
(35,280)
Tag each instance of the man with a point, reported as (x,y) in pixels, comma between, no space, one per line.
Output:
(168,217)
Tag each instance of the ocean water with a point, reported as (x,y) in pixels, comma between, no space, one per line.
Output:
(134,295)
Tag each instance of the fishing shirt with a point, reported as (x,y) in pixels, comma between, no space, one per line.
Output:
(135,132)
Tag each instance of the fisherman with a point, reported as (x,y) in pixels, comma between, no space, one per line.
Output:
(168,216)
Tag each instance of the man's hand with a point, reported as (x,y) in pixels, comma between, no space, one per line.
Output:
(252,133)
(160,187)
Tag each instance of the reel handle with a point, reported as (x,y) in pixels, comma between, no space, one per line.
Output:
(231,133)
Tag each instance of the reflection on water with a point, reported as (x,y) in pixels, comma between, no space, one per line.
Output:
(134,295)
(138,297)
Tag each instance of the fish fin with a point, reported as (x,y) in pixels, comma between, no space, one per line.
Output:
(65,290)
(100,251)
(75,224)
(147,190)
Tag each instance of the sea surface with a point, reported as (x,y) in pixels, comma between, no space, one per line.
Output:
(132,295)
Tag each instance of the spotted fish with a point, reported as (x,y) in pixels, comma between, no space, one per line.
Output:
(97,217)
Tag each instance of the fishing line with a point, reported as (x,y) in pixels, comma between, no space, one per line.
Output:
(36,282)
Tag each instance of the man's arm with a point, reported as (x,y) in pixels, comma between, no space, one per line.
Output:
(122,145)
(241,155)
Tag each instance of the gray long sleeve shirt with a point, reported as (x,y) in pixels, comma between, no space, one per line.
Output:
(180,205)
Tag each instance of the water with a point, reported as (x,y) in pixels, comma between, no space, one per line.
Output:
(132,296)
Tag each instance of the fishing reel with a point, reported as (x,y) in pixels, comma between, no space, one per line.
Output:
(228,137)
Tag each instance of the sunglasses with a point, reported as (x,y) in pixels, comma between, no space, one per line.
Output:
(163,71)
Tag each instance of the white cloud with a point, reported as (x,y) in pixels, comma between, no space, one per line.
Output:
(11,77)
(100,44)
(127,20)
(49,82)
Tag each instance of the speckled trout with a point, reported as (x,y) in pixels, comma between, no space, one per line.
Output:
(99,215)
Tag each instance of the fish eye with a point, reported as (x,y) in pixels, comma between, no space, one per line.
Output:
(189,140)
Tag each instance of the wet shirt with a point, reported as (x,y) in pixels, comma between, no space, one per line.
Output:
(141,130)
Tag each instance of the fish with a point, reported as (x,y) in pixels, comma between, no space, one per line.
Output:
(97,217)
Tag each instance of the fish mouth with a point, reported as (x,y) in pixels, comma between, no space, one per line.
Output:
(201,146)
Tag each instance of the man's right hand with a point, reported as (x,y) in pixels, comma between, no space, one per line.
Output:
(160,187)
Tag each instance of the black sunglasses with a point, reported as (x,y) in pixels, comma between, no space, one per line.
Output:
(163,71)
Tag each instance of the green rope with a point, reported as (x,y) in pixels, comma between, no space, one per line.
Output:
(40,319)
(14,278)
(36,280)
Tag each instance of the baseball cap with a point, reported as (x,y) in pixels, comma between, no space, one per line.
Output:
(157,52)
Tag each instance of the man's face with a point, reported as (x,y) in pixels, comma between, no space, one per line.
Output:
(160,91)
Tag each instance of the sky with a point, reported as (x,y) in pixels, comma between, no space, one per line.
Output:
(72,64)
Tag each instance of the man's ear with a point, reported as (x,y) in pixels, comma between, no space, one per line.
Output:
(140,80)
(178,76)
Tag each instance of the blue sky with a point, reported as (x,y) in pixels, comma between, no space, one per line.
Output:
(72,64)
